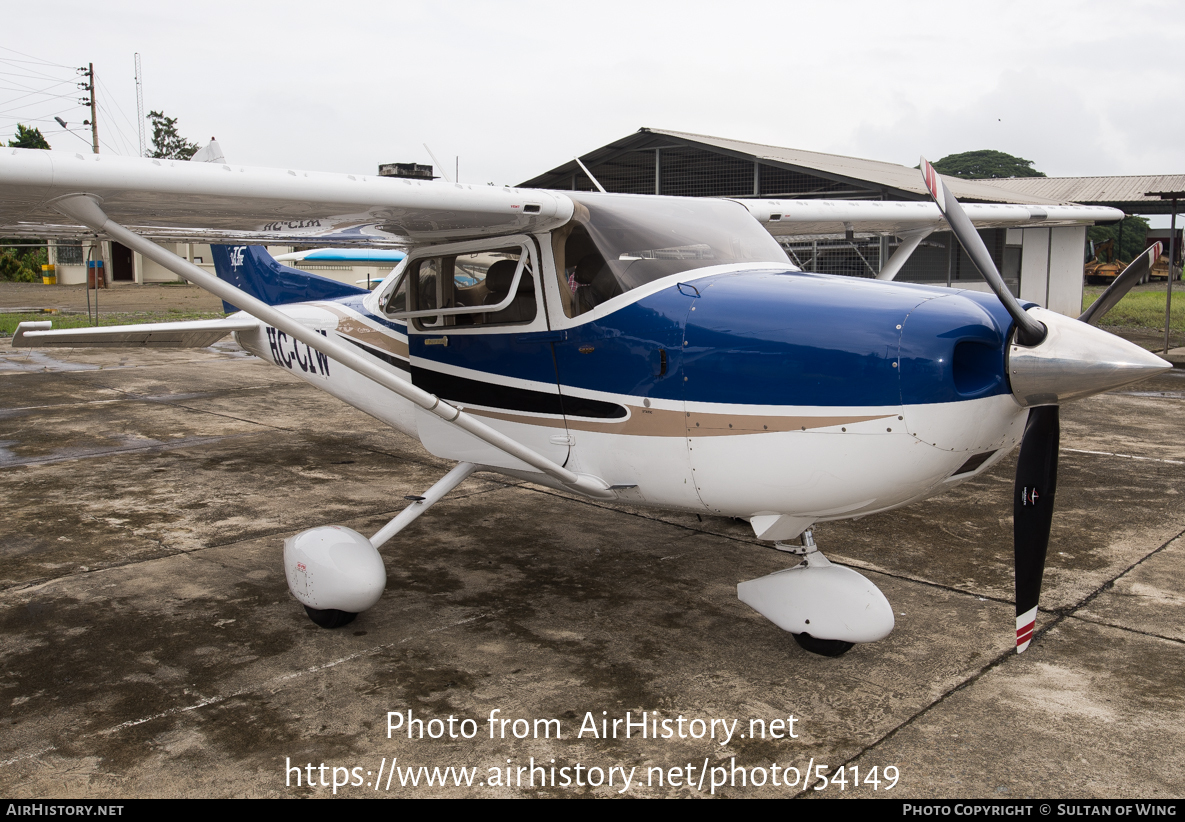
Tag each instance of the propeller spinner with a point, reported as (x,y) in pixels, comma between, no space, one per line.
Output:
(1051,359)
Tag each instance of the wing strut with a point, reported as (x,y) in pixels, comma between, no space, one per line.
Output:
(910,240)
(87,211)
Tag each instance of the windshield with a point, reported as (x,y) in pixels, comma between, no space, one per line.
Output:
(643,238)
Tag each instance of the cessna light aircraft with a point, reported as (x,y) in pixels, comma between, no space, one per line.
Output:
(658,350)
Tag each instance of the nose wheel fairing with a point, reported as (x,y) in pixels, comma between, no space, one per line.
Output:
(827,603)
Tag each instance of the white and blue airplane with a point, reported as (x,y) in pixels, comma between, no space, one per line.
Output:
(657,350)
(382,258)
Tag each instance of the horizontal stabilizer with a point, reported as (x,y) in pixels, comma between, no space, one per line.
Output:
(195,334)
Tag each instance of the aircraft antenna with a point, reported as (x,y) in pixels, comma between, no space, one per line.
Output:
(140,102)
(443,173)
(595,181)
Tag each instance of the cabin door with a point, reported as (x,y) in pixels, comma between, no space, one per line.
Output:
(478,337)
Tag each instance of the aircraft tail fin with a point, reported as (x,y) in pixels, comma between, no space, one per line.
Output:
(252,269)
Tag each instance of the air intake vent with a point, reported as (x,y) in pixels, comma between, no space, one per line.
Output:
(973,463)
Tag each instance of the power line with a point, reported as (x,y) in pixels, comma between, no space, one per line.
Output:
(124,147)
(32,77)
(140,102)
(37,86)
(28,89)
(29,93)
(37,89)
(28,105)
(34,59)
(115,102)
(49,118)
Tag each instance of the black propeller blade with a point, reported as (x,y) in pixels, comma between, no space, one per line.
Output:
(1121,285)
(1036,470)
(1032,514)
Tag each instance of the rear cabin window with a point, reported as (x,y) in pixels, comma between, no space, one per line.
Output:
(472,281)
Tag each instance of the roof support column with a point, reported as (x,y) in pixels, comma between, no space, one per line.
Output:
(950,257)
(658,171)
(756,179)
(1168,297)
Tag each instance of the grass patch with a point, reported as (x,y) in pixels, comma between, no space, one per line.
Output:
(1140,309)
(8,322)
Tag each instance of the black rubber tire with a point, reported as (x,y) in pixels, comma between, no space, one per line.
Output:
(823,647)
(329,617)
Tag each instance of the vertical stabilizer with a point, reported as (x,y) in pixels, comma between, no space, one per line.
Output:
(252,269)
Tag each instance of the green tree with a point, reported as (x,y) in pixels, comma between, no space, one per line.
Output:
(28,138)
(985,164)
(1135,229)
(15,269)
(167,144)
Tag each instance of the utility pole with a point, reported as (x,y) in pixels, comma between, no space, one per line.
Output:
(89,86)
(1173,197)
(100,271)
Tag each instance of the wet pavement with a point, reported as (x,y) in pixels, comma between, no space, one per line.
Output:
(120,298)
(150,646)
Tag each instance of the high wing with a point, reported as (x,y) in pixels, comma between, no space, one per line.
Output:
(181,201)
(177,200)
(798,217)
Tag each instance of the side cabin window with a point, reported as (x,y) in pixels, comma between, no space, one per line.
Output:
(586,280)
(473,289)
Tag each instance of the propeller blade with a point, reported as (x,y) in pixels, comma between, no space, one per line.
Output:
(1032,514)
(1121,285)
(1028,330)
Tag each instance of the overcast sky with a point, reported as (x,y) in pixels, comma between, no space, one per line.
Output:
(515,88)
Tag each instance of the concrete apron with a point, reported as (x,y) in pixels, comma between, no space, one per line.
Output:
(151,648)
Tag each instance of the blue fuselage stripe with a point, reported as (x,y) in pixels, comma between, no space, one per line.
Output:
(759,338)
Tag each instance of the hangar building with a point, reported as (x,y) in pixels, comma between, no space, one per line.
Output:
(1039,264)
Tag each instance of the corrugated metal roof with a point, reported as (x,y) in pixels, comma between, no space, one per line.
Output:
(890,175)
(1128,193)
